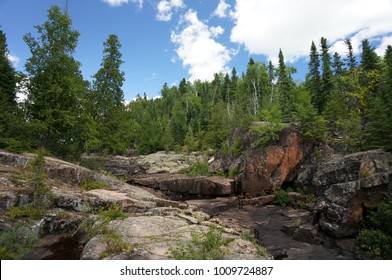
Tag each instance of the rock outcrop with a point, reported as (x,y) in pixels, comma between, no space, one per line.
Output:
(127,167)
(347,187)
(150,227)
(181,187)
(263,169)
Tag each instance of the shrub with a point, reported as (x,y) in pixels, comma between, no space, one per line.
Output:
(26,211)
(16,243)
(376,240)
(112,213)
(282,198)
(237,147)
(202,246)
(233,172)
(89,185)
(198,169)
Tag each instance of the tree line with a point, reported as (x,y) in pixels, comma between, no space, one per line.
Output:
(346,101)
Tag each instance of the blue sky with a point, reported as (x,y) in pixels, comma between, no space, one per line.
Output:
(167,40)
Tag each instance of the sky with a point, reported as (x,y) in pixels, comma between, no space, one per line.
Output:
(164,41)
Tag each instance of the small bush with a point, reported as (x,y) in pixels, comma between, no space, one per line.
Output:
(198,169)
(282,198)
(16,243)
(26,211)
(202,246)
(237,147)
(112,213)
(89,185)
(233,172)
(115,244)
(376,240)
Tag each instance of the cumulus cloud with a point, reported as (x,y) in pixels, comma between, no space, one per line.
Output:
(265,26)
(13,59)
(198,48)
(116,3)
(167,7)
(223,9)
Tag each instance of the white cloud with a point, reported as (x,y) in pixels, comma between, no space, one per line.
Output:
(116,3)
(13,59)
(198,49)
(222,10)
(387,41)
(265,26)
(167,7)
(138,2)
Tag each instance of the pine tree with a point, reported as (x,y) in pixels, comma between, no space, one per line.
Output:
(337,65)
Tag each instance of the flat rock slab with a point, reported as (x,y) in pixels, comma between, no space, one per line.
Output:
(180,186)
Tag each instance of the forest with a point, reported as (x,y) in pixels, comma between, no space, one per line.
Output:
(342,100)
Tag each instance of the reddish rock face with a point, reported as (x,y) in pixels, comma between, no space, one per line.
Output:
(265,169)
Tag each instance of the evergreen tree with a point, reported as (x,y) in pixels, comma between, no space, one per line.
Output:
(313,78)
(369,58)
(8,106)
(379,128)
(7,76)
(326,77)
(57,88)
(337,65)
(285,88)
(108,99)
(351,63)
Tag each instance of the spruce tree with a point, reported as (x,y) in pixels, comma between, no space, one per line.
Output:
(351,62)
(313,78)
(327,85)
(285,88)
(369,58)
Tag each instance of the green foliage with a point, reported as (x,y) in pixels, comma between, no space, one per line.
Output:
(42,193)
(114,245)
(56,86)
(202,246)
(89,185)
(16,243)
(270,131)
(113,213)
(233,172)
(305,115)
(199,168)
(28,211)
(282,198)
(237,148)
(376,240)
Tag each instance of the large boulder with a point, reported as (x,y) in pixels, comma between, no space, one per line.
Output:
(263,169)
(347,187)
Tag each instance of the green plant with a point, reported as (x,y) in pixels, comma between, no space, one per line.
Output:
(237,147)
(221,173)
(199,168)
(202,246)
(26,211)
(298,222)
(16,243)
(89,185)
(282,198)
(376,239)
(233,172)
(115,244)
(249,236)
(42,193)
(113,213)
